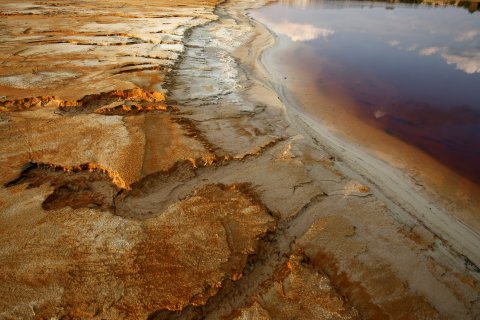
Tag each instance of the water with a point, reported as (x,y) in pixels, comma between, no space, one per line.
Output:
(412,70)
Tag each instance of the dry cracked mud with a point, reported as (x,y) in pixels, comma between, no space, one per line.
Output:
(148,169)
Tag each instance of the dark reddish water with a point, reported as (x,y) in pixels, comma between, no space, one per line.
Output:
(412,70)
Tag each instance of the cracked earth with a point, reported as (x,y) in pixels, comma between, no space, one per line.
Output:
(148,170)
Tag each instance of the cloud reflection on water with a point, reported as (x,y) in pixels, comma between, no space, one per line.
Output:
(394,43)
(467,61)
(430,51)
(300,32)
(467,36)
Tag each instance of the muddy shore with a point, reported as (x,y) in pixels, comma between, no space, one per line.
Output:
(206,195)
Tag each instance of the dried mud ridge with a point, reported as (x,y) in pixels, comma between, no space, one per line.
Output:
(83,186)
(131,101)
(201,202)
(93,186)
(270,264)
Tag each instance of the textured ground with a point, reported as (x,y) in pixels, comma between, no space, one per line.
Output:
(148,171)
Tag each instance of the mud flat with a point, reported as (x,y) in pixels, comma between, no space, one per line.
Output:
(205,195)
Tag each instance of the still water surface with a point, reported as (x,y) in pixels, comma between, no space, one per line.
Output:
(413,71)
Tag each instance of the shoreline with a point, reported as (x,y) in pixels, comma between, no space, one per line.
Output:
(393,185)
(338,113)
